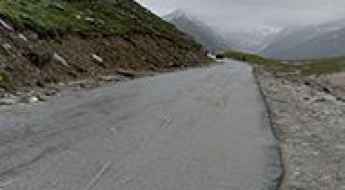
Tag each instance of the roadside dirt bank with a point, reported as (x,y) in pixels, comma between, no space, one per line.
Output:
(307,115)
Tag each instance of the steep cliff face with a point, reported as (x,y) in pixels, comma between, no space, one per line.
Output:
(50,41)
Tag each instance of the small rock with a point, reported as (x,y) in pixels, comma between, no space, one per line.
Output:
(90,19)
(97,58)
(61,84)
(33,36)
(76,83)
(78,17)
(126,73)
(50,93)
(41,84)
(307,83)
(21,36)
(8,101)
(40,58)
(42,98)
(60,59)
(84,85)
(319,100)
(326,90)
(6,25)
(30,99)
(330,98)
(6,46)
(306,98)
(110,78)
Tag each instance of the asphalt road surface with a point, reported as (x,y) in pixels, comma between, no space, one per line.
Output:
(201,129)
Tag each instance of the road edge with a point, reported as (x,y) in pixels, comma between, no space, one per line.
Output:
(275,132)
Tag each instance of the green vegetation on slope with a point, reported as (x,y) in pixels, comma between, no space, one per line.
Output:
(115,17)
(312,67)
(52,41)
(5,81)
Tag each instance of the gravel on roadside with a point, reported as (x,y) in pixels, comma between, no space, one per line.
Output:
(310,124)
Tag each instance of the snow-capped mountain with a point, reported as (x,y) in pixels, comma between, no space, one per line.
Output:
(197,29)
(313,41)
(252,39)
(249,39)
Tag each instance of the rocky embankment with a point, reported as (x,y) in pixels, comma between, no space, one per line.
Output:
(46,43)
(308,115)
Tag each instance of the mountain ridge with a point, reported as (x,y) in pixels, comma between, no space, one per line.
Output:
(198,30)
(309,42)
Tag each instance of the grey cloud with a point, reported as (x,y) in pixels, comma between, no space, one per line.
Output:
(251,12)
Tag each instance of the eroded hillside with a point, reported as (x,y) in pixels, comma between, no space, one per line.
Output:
(51,41)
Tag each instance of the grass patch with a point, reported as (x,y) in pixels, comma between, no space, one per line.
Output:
(324,66)
(313,67)
(104,16)
(101,17)
(5,81)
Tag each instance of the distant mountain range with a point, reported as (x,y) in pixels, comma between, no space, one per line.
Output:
(198,30)
(314,41)
(249,39)
(252,39)
(293,42)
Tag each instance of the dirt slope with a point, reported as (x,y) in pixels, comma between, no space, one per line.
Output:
(46,41)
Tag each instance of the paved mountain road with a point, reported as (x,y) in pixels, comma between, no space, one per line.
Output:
(201,129)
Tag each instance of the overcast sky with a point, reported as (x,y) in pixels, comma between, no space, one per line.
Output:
(254,12)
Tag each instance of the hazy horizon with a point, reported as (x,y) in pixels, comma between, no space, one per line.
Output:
(278,13)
